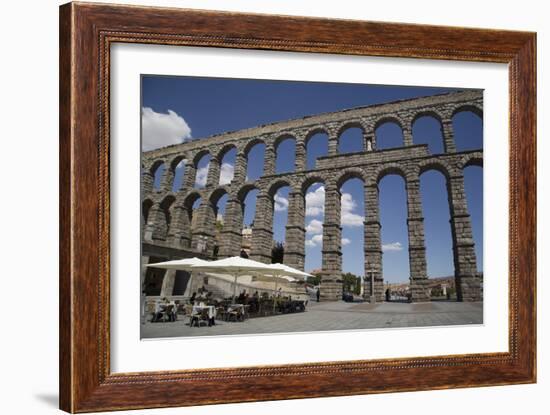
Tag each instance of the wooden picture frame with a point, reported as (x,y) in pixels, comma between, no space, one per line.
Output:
(86,33)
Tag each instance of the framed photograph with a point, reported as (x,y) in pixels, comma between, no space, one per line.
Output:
(260,207)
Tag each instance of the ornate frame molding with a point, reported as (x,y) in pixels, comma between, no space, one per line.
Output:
(86,33)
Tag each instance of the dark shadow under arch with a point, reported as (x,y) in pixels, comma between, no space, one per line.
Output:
(146,206)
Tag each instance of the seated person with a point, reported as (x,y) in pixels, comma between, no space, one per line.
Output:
(171,311)
(160,307)
(157,313)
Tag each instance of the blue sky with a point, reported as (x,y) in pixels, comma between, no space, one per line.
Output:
(175,109)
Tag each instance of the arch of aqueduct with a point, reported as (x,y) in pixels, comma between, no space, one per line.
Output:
(167,215)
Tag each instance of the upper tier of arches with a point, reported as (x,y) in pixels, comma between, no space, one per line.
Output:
(444,129)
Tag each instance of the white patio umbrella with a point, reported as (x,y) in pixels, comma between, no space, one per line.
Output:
(235,266)
(274,278)
(282,269)
(181,264)
(285,272)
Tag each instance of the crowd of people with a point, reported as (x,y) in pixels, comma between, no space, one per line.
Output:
(257,304)
(265,303)
(165,310)
(203,296)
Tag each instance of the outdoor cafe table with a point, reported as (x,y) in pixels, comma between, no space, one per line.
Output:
(235,307)
(162,308)
(197,309)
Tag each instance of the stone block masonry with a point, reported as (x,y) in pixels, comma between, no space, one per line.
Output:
(168,217)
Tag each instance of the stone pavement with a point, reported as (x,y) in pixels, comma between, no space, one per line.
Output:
(332,316)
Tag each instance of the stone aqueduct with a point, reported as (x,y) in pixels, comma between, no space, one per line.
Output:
(167,215)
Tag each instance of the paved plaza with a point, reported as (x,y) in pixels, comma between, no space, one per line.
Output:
(329,316)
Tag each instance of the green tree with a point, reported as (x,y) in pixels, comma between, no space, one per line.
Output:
(351,283)
(315,280)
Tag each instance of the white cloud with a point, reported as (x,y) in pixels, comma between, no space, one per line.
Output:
(315,206)
(226,173)
(348,217)
(314,227)
(161,130)
(393,246)
(281,203)
(315,240)
(315,202)
(202,175)
(345,241)
(181,165)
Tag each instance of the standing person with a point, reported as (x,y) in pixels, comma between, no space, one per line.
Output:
(157,315)
(318,294)
(240,298)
